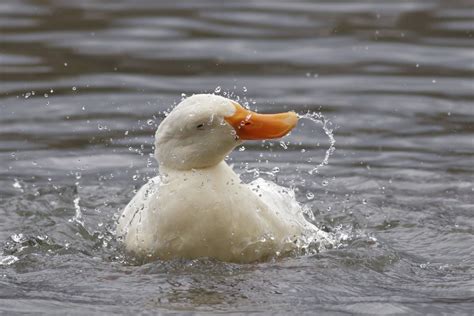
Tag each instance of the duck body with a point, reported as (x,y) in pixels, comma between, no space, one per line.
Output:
(209,212)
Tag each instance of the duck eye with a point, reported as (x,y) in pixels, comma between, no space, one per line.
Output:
(200,126)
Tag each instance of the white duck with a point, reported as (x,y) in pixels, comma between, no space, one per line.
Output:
(197,206)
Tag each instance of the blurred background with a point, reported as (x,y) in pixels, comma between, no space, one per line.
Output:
(83,85)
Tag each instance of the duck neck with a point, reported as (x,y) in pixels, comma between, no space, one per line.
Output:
(222,169)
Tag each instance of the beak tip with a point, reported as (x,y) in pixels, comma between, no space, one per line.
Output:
(292,119)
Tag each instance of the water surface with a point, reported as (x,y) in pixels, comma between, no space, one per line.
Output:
(83,85)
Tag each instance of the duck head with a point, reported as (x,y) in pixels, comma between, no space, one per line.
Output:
(204,128)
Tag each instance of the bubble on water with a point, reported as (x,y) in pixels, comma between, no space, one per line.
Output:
(309,195)
(364,201)
(242,148)
(276,169)
(126,133)
(244,89)
(100,127)
(83,108)
(433,81)
(417,65)
(325,183)
(217,89)
(65,64)
(74,88)
(135,177)
(78,175)
(283,144)
(150,122)
(45,95)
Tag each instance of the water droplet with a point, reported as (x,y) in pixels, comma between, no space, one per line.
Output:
(65,64)
(276,169)
(433,81)
(74,88)
(8,260)
(282,144)
(135,177)
(325,183)
(78,215)
(126,133)
(45,95)
(150,122)
(16,184)
(17,237)
(319,118)
(364,201)
(242,148)
(83,108)
(244,89)
(424,265)
(217,90)
(309,196)
(417,65)
(78,175)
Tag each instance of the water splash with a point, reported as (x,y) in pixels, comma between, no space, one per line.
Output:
(320,119)
(78,213)
(8,260)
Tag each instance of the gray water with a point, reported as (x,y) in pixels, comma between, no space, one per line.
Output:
(83,85)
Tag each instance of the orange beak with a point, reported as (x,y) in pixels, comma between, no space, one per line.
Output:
(251,126)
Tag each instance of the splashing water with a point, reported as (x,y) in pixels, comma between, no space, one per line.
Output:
(78,213)
(319,118)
